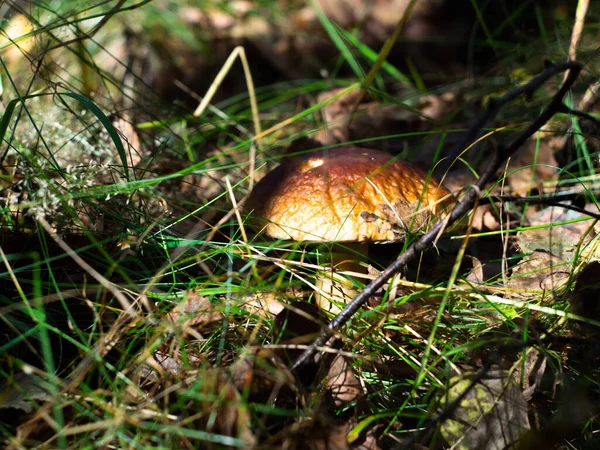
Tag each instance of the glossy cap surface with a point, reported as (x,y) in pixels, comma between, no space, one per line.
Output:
(347,194)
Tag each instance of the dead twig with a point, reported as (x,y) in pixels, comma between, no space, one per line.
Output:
(461,208)
(543,200)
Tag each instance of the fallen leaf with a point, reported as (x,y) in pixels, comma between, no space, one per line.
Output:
(560,240)
(22,392)
(533,163)
(492,416)
(531,371)
(438,107)
(194,311)
(476,273)
(341,382)
(346,120)
(263,303)
(263,375)
(486,218)
(540,270)
(223,410)
(320,433)
(172,363)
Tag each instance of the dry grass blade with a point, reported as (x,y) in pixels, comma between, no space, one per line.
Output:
(241,53)
(129,308)
(582,9)
(236,210)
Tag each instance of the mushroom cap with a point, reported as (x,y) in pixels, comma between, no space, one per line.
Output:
(346,194)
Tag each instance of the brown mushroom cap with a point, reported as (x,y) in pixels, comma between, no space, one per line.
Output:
(347,194)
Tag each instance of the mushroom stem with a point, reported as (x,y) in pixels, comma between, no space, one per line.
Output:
(334,290)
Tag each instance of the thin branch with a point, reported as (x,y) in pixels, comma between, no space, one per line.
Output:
(581,114)
(494,105)
(549,201)
(469,199)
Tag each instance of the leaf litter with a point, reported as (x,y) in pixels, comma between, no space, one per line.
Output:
(196,366)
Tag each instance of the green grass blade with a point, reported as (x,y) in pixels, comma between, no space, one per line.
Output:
(106,123)
(334,34)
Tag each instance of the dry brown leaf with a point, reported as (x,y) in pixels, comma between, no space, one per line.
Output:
(194,311)
(265,377)
(532,164)
(320,433)
(345,120)
(476,273)
(485,216)
(265,304)
(438,107)
(560,240)
(22,392)
(531,371)
(155,367)
(493,415)
(223,411)
(341,382)
(540,270)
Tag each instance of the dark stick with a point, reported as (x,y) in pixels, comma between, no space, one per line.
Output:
(549,201)
(469,199)
(582,115)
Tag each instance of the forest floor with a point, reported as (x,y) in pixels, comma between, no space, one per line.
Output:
(141,307)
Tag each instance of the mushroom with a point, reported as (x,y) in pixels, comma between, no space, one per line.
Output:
(348,195)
